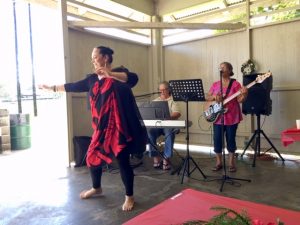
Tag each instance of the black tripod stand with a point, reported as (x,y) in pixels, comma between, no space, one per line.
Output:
(256,135)
(187,90)
(225,178)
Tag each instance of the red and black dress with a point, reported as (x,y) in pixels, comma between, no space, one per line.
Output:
(116,120)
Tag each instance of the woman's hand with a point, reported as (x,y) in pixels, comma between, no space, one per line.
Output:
(106,72)
(54,88)
(102,71)
(244,90)
(219,98)
(242,97)
(45,87)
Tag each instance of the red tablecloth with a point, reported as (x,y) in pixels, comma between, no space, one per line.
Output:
(195,205)
(289,136)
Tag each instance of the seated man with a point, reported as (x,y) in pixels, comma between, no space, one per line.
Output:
(154,133)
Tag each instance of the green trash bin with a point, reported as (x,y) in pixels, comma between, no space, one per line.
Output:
(20,132)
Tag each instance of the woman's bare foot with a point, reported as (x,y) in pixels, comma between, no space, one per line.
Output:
(128,204)
(89,193)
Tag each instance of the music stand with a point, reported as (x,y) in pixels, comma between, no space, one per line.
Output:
(187,90)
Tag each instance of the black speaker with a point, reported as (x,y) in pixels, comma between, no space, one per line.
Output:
(81,145)
(258,101)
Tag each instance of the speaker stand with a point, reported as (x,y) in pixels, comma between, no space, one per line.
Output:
(256,135)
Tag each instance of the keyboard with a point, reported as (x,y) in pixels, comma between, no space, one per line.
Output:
(164,123)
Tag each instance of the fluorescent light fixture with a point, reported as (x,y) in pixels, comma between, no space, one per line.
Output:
(115,8)
(122,35)
(72,18)
(187,36)
(195,10)
(167,32)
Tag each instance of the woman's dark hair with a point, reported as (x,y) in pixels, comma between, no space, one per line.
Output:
(229,66)
(106,51)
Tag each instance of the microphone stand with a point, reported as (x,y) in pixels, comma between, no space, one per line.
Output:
(225,179)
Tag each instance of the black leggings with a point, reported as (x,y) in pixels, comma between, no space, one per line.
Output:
(126,172)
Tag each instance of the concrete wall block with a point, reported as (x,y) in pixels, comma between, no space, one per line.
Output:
(5,139)
(6,147)
(4,112)
(4,121)
(5,130)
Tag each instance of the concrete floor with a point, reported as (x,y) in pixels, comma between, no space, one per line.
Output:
(39,190)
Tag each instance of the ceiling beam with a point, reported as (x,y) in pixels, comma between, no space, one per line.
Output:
(157,25)
(82,28)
